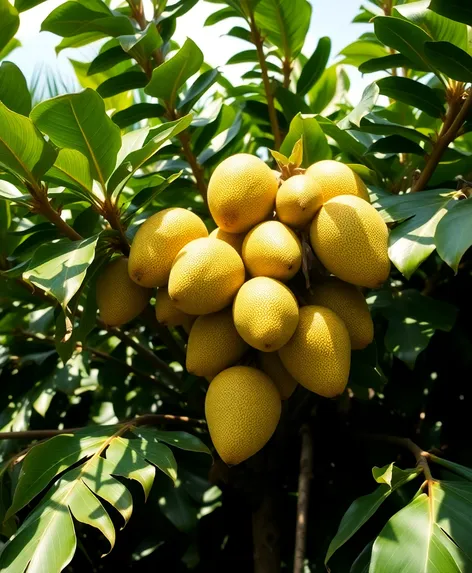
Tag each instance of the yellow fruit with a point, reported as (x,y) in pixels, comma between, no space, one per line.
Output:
(271,249)
(187,326)
(350,238)
(335,179)
(298,199)
(241,193)
(318,355)
(271,364)
(166,311)
(265,313)
(348,302)
(158,241)
(119,299)
(214,344)
(242,408)
(205,276)
(233,239)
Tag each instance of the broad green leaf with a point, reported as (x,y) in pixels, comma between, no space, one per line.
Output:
(246,56)
(315,144)
(59,268)
(361,51)
(72,170)
(13,89)
(146,195)
(368,101)
(23,5)
(314,67)
(378,125)
(395,144)
(241,33)
(78,121)
(124,82)
(450,60)
(220,15)
(9,23)
(362,561)
(343,138)
(182,440)
(458,469)
(405,37)
(412,542)
(223,139)
(284,23)
(134,160)
(386,63)
(142,44)
(454,233)
(178,507)
(322,93)
(23,150)
(108,59)
(412,93)
(12,45)
(136,113)
(454,9)
(291,103)
(170,76)
(158,454)
(363,508)
(78,41)
(197,89)
(412,241)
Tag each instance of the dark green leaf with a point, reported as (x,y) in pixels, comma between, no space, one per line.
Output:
(243,57)
(13,89)
(386,63)
(219,142)
(314,67)
(12,45)
(78,41)
(142,44)
(241,33)
(107,59)
(315,144)
(136,113)
(361,51)
(72,170)
(376,124)
(345,140)
(395,144)
(122,83)
(197,89)
(412,93)
(79,121)
(220,15)
(450,60)
(322,93)
(181,440)
(170,76)
(9,23)
(23,5)
(454,233)
(454,9)
(291,103)
(456,468)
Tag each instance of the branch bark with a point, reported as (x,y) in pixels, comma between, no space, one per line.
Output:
(304,481)
(266,536)
(43,206)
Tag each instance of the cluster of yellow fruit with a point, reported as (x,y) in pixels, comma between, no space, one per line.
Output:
(227,289)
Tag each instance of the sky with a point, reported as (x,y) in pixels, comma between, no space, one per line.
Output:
(331,18)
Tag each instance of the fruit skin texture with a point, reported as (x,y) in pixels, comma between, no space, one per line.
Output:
(242,408)
(158,241)
(298,199)
(348,302)
(214,344)
(351,240)
(318,355)
(265,313)
(273,250)
(119,299)
(205,276)
(271,364)
(166,311)
(335,179)
(241,193)
(234,239)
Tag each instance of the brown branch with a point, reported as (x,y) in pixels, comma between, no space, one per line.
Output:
(259,43)
(452,123)
(306,474)
(109,211)
(287,70)
(43,206)
(196,168)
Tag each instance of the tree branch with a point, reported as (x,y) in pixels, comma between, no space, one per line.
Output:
(450,129)
(109,211)
(197,169)
(306,474)
(287,70)
(43,206)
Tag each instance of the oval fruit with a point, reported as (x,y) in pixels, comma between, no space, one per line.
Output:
(273,250)
(166,311)
(350,238)
(265,313)
(214,344)
(348,302)
(241,193)
(205,276)
(234,239)
(242,408)
(298,199)
(158,241)
(119,299)
(318,355)
(335,178)
(271,364)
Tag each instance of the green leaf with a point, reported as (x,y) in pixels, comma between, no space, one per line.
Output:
(181,440)
(13,89)
(197,89)
(12,45)
(107,59)
(412,93)
(454,9)
(314,67)
(386,63)
(219,142)
(412,241)
(345,140)
(284,23)
(368,101)
(122,83)
(361,51)
(9,23)
(363,508)
(454,233)
(23,150)
(243,57)
(405,37)
(395,144)
(315,144)
(23,5)
(142,44)
(78,41)
(462,471)
(450,60)
(59,268)
(170,76)
(241,33)
(291,103)
(378,125)
(147,194)
(136,113)
(220,15)
(322,93)
(79,121)
(156,453)
(72,170)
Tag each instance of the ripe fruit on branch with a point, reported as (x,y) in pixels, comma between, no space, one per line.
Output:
(166,311)
(271,364)
(298,199)
(234,239)
(335,178)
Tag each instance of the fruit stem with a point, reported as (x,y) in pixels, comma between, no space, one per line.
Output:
(259,43)
(110,212)
(304,480)
(455,117)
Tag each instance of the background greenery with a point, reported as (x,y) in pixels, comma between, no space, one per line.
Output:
(80,172)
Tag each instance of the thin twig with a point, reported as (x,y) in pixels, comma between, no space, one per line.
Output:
(196,168)
(287,70)
(304,480)
(43,206)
